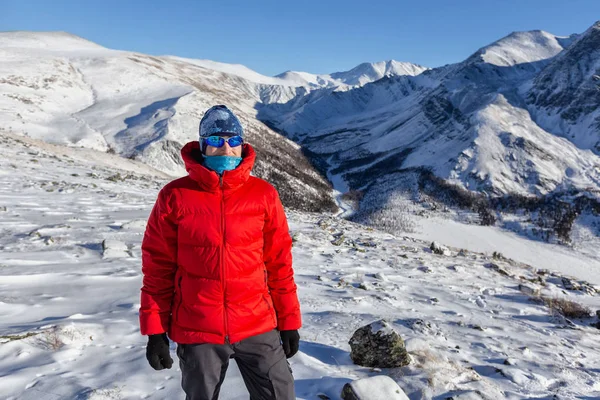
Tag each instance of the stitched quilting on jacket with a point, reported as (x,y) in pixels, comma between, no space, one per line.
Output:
(216,257)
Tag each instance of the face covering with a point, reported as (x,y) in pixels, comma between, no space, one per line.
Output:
(221,163)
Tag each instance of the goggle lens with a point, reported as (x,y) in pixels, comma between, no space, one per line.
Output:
(219,141)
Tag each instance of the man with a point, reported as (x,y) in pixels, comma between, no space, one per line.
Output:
(217,266)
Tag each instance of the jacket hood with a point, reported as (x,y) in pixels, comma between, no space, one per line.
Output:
(209,179)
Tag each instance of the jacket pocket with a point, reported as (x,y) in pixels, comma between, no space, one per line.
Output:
(271,310)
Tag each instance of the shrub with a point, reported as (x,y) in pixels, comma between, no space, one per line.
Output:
(50,339)
(566,308)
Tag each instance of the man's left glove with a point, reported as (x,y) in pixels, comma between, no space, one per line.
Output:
(157,352)
(290,341)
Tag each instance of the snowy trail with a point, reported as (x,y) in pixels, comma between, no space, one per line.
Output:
(339,188)
(346,209)
(68,312)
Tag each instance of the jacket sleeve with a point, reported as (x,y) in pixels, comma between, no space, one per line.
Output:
(159,265)
(277,255)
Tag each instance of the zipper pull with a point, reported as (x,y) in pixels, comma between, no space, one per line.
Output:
(227,339)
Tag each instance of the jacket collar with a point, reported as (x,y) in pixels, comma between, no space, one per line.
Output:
(209,179)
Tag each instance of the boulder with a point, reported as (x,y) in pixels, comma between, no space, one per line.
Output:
(378,345)
(380,387)
(437,248)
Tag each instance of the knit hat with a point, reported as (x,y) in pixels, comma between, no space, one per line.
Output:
(220,120)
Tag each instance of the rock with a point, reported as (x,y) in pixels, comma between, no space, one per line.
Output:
(114,249)
(367,243)
(437,248)
(598,314)
(378,345)
(425,328)
(338,240)
(498,269)
(379,387)
(570,284)
(588,288)
(381,276)
(529,290)
(543,272)
(136,224)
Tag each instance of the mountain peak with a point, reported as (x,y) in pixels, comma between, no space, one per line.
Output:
(369,72)
(522,47)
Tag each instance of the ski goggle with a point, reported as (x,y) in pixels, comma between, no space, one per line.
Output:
(219,141)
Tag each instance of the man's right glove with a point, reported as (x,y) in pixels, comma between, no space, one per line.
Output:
(157,352)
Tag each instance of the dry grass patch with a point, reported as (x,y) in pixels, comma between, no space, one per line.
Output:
(564,307)
(10,338)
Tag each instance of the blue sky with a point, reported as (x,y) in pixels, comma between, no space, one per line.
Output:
(314,36)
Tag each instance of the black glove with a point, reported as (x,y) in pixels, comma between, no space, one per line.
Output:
(157,352)
(290,341)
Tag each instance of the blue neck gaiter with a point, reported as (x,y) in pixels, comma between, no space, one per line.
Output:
(221,163)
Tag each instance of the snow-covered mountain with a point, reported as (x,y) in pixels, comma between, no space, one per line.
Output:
(461,121)
(518,118)
(66,90)
(357,76)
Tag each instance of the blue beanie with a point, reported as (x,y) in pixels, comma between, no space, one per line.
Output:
(220,120)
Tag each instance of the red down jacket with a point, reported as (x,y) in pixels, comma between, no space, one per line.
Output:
(216,257)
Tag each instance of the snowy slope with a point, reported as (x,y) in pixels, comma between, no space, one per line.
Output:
(564,99)
(68,309)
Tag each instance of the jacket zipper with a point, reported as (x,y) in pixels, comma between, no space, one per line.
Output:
(223,278)
(180,300)
(267,301)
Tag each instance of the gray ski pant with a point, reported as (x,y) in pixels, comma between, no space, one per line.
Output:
(260,359)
